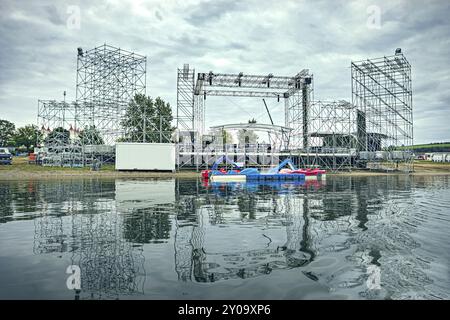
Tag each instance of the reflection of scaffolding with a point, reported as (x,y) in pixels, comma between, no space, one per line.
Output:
(107,80)
(88,226)
(382,94)
(110,266)
(195,261)
(337,225)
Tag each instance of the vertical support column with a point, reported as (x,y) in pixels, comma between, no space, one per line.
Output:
(305,116)
(185,98)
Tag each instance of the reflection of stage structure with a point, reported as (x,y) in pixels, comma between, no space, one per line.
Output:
(300,224)
(230,231)
(205,253)
(80,218)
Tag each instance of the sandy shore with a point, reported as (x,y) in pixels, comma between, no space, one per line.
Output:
(21,170)
(64,173)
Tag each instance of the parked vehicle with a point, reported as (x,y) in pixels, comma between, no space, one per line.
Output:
(5,156)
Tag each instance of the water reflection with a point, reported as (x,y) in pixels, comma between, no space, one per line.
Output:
(273,231)
(335,233)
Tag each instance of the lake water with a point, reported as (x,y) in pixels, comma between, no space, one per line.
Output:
(381,237)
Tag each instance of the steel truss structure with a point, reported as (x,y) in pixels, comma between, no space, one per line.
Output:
(329,136)
(382,95)
(57,121)
(374,131)
(108,78)
(192,92)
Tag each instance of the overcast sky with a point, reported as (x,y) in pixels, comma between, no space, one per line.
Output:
(38,41)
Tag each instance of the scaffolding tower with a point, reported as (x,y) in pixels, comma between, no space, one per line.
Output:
(185,98)
(108,78)
(328,135)
(57,121)
(382,95)
(193,90)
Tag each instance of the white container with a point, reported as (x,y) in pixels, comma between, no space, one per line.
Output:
(145,156)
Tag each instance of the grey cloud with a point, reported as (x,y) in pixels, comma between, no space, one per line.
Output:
(54,15)
(158,15)
(209,11)
(38,51)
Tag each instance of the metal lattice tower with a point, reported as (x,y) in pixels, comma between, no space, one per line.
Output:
(57,121)
(382,94)
(185,98)
(297,104)
(108,78)
(329,135)
(193,91)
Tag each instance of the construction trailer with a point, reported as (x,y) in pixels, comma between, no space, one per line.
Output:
(145,156)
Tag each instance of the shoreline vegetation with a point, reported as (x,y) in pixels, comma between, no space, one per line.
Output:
(22,170)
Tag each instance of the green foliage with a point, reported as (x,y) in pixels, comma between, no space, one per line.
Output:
(148,120)
(90,135)
(6,132)
(25,138)
(227,137)
(431,147)
(247,136)
(58,136)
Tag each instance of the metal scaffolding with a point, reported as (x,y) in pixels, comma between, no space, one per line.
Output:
(192,93)
(185,98)
(328,136)
(108,78)
(57,121)
(382,94)
(375,131)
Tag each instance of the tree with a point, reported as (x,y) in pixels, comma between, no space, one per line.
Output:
(58,136)
(26,136)
(246,136)
(162,120)
(146,120)
(227,137)
(90,135)
(6,132)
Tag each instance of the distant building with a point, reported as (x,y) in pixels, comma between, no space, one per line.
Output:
(440,157)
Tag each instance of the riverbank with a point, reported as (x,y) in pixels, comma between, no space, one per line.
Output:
(22,170)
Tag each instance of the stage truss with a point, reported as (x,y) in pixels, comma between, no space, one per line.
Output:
(374,131)
(108,78)
(382,94)
(192,93)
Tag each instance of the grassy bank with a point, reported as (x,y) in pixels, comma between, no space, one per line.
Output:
(22,170)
